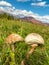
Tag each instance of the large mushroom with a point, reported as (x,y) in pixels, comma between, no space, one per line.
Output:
(34,40)
(11,39)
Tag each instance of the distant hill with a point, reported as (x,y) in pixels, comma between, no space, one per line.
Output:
(29,19)
(32,20)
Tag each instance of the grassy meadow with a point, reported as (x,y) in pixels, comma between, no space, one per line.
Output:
(8,25)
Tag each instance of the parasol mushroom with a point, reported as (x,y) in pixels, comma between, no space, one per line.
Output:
(11,39)
(34,40)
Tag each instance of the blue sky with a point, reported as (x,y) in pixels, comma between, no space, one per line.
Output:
(26,5)
(35,8)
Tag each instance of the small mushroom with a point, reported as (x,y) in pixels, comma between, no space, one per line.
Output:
(34,40)
(11,39)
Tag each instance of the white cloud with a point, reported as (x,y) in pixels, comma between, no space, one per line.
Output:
(22,0)
(39,0)
(22,13)
(44,19)
(40,4)
(2,10)
(4,3)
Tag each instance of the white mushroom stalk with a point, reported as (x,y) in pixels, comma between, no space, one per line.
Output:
(34,40)
(22,62)
(32,49)
(11,39)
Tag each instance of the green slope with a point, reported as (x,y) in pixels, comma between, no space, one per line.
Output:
(41,53)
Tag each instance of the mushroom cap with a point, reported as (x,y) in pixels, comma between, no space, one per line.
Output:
(12,38)
(34,38)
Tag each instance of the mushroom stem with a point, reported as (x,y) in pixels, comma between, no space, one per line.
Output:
(22,62)
(12,47)
(13,54)
(32,49)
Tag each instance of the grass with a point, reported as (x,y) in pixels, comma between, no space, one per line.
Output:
(41,54)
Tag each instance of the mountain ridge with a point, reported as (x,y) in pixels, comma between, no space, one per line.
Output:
(29,19)
(33,20)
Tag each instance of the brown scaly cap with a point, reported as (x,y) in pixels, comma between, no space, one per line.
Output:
(12,38)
